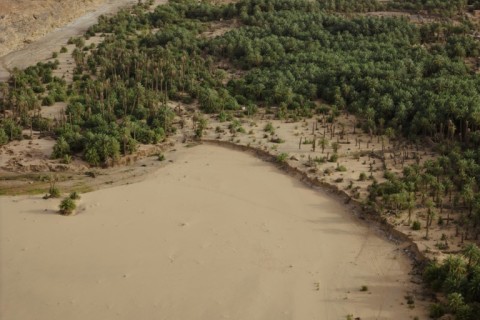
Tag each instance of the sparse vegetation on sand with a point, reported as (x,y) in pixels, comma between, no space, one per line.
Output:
(67,206)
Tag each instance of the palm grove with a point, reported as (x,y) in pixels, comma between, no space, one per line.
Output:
(398,78)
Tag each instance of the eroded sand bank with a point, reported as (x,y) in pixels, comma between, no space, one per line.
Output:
(218,234)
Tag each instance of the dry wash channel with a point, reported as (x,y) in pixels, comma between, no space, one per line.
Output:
(218,234)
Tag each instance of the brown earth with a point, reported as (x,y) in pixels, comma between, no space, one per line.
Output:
(23,21)
(31,30)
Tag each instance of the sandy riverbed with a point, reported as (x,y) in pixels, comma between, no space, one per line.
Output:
(218,234)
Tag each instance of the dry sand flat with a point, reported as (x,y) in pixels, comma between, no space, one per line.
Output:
(218,234)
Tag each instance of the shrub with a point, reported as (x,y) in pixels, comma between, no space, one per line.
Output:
(341,168)
(67,159)
(269,128)
(320,160)
(410,300)
(3,137)
(282,157)
(328,171)
(333,158)
(223,116)
(442,246)
(440,221)
(416,225)
(53,192)
(436,310)
(277,140)
(67,206)
(61,148)
(12,130)
(48,100)
(364,288)
(74,195)
(362,177)
(63,50)
(389,175)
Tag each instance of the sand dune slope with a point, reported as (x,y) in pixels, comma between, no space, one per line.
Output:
(217,234)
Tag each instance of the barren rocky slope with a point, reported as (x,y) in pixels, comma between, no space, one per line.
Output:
(22,21)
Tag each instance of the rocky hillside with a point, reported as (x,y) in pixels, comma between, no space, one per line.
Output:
(22,21)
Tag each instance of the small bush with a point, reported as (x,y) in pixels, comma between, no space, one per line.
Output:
(3,137)
(282,157)
(67,159)
(48,100)
(389,175)
(440,221)
(54,192)
(333,158)
(269,128)
(55,55)
(341,168)
(320,160)
(410,300)
(63,50)
(362,177)
(364,288)
(416,225)
(67,206)
(328,171)
(161,157)
(277,140)
(442,246)
(74,195)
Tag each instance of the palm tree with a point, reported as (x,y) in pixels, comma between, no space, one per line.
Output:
(323,142)
(472,253)
(468,194)
(473,287)
(335,146)
(448,187)
(455,302)
(430,216)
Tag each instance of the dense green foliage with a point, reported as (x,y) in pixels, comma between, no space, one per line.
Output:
(443,7)
(389,72)
(439,7)
(459,279)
